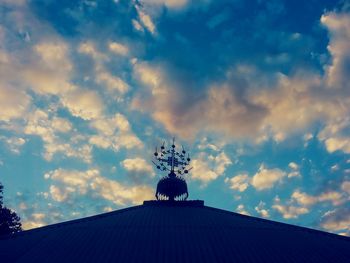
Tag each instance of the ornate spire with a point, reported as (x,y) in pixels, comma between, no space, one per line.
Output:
(172,186)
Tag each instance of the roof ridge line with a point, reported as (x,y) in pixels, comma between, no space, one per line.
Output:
(301,228)
(70,222)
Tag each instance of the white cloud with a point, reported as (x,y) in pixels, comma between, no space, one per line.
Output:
(61,125)
(28,224)
(288,113)
(334,197)
(207,168)
(239,182)
(50,70)
(293,166)
(204,145)
(291,106)
(118,48)
(337,220)
(48,127)
(336,143)
(115,133)
(88,48)
(137,25)
(152,77)
(67,184)
(290,211)
(168,3)
(267,178)
(85,104)
(112,82)
(260,208)
(334,136)
(294,170)
(345,186)
(14,102)
(263,179)
(338,25)
(241,210)
(102,76)
(303,198)
(146,20)
(14,143)
(138,165)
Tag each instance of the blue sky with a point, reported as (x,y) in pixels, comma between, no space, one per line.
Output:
(257,91)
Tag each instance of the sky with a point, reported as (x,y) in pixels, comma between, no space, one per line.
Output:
(257,91)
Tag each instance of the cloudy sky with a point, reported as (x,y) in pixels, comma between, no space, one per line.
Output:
(258,91)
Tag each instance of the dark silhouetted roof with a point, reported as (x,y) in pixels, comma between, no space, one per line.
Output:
(184,231)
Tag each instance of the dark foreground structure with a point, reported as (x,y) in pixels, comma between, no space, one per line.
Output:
(174,231)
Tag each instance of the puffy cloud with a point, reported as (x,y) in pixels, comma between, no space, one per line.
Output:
(146,20)
(29,224)
(50,69)
(207,168)
(61,125)
(263,179)
(334,144)
(88,48)
(239,182)
(293,166)
(338,25)
(267,178)
(300,202)
(260,209)
(335,137)
(14,143)
(204,145)
(112,82)
(334,197)
(67,184)
(59,194)
(138,165)
(345,186)
(114,133)
(47,126)
(85,104)
(281,106)
(234,107)
(102,76)
(118,48)
(14,102)
(137,25)
(241,210)
(337,220)
(151,76)
(294,170)
(295,104)
(168,3)
(303,198)
(185,113)
(290,211)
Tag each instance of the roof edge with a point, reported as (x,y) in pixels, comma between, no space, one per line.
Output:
(191,203)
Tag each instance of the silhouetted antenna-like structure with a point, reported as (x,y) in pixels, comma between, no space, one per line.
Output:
(173,186)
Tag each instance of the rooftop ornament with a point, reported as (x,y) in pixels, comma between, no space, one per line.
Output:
(172,187)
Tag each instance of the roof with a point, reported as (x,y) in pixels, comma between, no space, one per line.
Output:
(160,231)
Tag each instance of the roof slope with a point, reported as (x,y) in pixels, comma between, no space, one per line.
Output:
(178,232)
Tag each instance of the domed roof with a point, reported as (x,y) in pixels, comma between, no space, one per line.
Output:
(164,231)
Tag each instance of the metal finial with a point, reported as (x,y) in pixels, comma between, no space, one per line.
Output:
(173,186)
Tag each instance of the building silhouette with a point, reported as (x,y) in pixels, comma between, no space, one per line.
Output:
(172,229)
